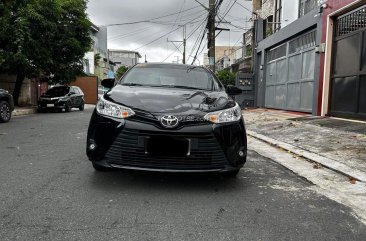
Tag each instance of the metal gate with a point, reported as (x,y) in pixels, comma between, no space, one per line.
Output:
(348,80)
(290,74)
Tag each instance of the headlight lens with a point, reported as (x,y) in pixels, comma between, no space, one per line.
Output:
(107,108)
(224,116)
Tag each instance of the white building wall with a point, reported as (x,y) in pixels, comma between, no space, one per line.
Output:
(89,56)
(290,12)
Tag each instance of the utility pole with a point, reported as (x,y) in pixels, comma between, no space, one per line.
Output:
(184,43)
(211,34)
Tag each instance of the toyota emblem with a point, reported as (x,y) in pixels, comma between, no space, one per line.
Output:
(169,121)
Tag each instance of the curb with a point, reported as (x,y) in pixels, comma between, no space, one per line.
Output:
(324,161)
(20,112)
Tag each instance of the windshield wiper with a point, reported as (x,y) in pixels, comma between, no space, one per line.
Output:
(180,87)
(132,84)
(188,87)
(190,68)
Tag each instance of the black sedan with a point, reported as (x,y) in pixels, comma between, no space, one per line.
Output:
(6,105)
(167,117)
(62,97)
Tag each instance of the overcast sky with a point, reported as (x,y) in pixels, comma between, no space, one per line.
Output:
(150,38)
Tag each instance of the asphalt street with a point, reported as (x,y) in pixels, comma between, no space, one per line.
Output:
(49,191)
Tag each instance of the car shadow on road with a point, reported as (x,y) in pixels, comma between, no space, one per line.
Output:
(168,182)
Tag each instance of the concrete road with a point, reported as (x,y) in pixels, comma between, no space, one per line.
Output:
(49,191)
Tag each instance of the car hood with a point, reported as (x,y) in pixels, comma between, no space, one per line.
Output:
(169,100)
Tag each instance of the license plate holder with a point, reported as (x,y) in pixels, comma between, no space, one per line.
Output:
(166,146)
(50,105)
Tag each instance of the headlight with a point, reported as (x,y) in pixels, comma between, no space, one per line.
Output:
(225,116)
(107,108)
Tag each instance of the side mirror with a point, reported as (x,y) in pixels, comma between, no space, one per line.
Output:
(233,90)
(108,83)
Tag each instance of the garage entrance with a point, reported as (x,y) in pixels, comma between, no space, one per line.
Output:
(348,80)
(290,74)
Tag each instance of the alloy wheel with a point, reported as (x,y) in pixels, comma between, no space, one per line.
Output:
(4,112)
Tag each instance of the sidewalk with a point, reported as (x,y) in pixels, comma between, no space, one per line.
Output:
(337,144)
(18,111)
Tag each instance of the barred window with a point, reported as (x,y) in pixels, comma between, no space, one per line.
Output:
(305,41)
(306,6)
(351,22)
(276,53)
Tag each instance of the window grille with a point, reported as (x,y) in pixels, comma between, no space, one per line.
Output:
(276,53)
(305,41)
(351,22)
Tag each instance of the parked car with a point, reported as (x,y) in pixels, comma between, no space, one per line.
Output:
(62,98)
(6,106)
(170,118)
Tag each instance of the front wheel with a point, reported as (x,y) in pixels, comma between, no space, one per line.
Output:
(81,107)
(67,107)
(5,113)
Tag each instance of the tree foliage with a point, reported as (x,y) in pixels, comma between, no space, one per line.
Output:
(226,77)
(121,71)
(43,38)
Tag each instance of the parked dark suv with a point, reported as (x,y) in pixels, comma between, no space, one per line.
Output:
(62,98)
(6,106)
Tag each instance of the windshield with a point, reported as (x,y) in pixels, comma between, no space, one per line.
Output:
(58,91)
(171,77)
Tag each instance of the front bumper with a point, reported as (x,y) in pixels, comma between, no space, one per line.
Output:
(52,104)
(122,144)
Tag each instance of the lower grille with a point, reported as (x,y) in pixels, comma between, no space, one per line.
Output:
(129,150)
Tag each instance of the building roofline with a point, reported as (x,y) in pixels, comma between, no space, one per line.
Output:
(125,51)
(94,27)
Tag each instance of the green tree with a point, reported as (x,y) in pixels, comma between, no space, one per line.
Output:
(226,77)
(121,71)
(43,38)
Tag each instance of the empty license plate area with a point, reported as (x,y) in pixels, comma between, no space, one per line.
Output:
(167,146)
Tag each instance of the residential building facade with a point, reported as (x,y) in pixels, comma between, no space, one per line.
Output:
(287,55)
(96,61)
(342,82)
(315,63)
(124,57)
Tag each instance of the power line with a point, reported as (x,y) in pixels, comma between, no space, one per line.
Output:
(165,34)
(189,35)
(148,20)
(244,7)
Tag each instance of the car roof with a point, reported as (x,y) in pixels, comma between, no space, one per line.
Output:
(168,65)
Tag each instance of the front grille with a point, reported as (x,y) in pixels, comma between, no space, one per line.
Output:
(129,150)
(49,101)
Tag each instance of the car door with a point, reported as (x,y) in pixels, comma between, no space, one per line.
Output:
(73,97)
(80,96)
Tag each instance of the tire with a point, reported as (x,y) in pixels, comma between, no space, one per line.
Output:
(67,107)
(5,112)
(81,107)
(99,168)
(40,110)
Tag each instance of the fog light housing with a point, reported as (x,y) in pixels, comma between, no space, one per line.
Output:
(92,147)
